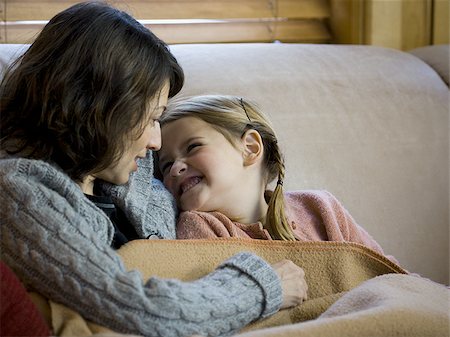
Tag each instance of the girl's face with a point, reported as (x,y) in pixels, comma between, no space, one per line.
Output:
(200,167)
(150,139)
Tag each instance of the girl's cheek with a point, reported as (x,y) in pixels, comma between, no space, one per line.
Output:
(165,182)
(168,185)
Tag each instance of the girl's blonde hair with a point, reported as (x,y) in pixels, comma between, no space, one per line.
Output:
(232,116)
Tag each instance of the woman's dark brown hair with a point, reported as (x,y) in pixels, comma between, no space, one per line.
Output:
(82,86)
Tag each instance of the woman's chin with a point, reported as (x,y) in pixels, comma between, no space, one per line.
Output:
(120,180)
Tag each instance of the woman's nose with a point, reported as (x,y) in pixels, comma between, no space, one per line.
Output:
(178,168)
(154,141)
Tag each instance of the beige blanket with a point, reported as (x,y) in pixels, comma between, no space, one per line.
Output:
(345,296)
(388,305)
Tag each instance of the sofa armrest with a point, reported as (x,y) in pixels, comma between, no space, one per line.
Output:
(437,57)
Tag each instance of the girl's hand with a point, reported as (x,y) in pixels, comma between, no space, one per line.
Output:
(293,283)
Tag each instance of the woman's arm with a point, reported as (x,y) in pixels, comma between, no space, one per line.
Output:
(58,243)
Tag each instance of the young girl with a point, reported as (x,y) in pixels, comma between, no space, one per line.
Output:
(218,156)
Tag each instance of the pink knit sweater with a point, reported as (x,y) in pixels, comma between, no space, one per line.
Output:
(313,215)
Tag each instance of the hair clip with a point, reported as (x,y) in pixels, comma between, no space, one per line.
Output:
(245,110)
(280,182)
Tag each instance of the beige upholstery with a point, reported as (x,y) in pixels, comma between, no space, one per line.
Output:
(369,124)
(438,57)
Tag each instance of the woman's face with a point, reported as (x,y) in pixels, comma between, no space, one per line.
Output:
(150,139)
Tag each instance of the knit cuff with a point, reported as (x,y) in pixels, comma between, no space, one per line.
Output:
(264,275)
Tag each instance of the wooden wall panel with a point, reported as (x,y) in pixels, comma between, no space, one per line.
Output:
(2,22)
(346,21)
(399,24)
(417,22)
(229,20)
(296,31)
(441,14)
(308,9)
(306,31)
(178,9)
(382,25)
(181,9)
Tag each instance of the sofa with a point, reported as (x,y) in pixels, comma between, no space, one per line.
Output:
(368,124)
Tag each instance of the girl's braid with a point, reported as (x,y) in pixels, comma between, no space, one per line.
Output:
(276,221)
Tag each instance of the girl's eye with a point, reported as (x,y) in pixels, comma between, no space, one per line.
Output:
(192,146)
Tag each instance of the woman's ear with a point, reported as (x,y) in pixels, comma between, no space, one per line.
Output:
(253,147)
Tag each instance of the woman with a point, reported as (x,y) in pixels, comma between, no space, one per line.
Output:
(79,110)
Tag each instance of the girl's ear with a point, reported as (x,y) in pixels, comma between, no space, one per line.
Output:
(253,147)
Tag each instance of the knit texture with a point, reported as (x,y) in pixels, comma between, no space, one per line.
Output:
(148,205)
(58,243)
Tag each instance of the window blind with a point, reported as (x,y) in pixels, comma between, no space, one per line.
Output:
(188,21)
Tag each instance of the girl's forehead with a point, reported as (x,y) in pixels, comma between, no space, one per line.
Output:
(189,127)
(187,124)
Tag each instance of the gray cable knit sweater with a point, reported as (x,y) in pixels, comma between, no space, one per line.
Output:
(58,243)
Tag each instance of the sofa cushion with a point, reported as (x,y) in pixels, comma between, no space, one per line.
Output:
(10,52)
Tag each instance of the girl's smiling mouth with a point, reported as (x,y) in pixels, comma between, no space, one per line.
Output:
(187,184)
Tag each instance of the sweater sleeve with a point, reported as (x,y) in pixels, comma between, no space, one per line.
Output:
(148,205)
(57,249)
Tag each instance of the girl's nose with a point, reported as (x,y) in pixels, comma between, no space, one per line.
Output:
(178,168)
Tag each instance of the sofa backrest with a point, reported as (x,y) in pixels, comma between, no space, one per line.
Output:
(368,124)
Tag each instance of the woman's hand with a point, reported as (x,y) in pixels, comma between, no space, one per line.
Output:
(293,283)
